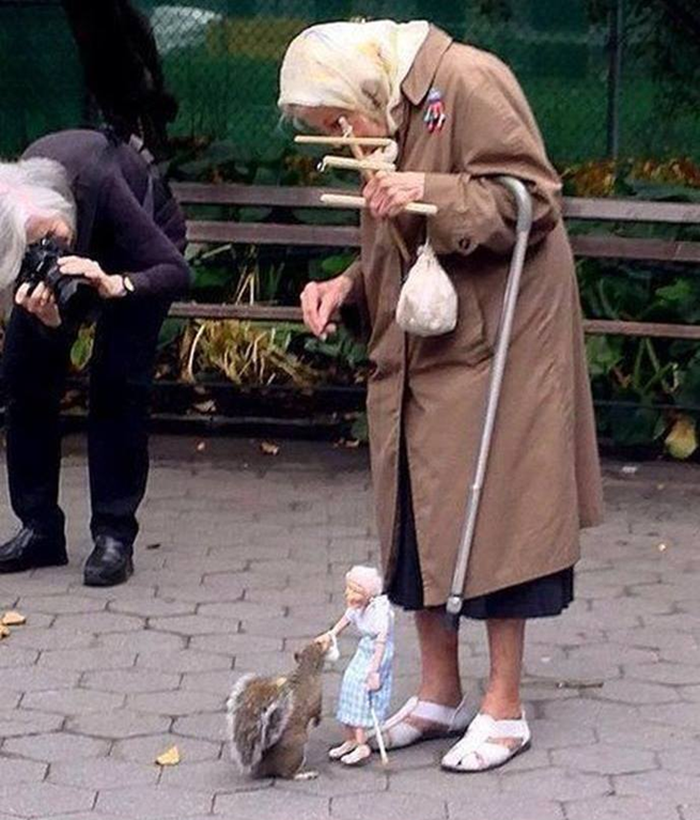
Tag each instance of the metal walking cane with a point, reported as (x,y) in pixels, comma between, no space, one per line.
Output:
(510,297)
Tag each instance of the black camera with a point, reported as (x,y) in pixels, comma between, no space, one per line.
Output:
(74,295)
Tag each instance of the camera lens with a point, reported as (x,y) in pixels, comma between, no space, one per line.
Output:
(74,297)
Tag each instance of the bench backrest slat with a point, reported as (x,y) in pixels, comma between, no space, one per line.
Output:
(265,233)
(587,208)
(631,210)
(288,196)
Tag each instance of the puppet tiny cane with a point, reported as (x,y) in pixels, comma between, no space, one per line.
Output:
(366,688)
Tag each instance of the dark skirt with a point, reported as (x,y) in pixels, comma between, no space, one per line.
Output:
(539,598)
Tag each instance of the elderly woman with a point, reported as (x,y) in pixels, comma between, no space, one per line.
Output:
(460,119)
(103,203)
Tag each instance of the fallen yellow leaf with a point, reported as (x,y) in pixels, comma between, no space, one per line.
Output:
(13,619)
(268,448)
(169,758)
(682,441)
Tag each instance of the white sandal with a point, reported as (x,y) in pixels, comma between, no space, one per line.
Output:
(447,721)
(479,749)
(360,754)
(340,751)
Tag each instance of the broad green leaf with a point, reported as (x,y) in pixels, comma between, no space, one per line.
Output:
(604,353)
(206,276)
(689,392)
(360,428)
(171,330)
(81,352)
(335,265)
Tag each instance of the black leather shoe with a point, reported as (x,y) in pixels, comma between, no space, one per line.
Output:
(110,563)
(30,549)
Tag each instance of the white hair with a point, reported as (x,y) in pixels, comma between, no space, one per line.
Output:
(367,578)
(29,188)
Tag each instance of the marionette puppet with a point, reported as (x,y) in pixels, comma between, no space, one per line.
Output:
(366,688)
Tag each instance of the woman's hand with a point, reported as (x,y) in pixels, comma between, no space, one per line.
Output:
(388,192)
(372,682)
(107,286)
(319,300)
(39,302)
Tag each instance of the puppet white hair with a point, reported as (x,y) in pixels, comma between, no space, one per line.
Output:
(367,578)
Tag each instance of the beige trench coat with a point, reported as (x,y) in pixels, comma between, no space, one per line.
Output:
(543,481)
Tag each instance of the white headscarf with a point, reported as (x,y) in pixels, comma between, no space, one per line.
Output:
(355,66)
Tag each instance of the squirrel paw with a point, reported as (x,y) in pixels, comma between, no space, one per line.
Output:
(306,775)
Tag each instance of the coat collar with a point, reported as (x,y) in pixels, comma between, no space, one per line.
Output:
(420,78)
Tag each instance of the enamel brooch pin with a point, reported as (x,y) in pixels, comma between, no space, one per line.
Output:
(435,115)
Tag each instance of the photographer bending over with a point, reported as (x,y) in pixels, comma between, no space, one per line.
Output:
(87,230)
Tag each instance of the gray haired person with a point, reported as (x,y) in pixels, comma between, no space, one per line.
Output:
(112,222)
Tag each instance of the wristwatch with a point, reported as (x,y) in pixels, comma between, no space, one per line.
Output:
(128,285)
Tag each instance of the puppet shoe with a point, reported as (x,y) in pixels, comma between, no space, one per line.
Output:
(360,754)
(419,720)
(487,744)
(340,751)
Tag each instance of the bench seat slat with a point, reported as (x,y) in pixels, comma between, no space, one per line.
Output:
(601,327)
(195,310)
(271,313)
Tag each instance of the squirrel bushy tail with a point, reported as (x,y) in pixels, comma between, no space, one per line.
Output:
(258,712)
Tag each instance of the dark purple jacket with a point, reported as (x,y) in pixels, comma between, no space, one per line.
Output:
(119,224)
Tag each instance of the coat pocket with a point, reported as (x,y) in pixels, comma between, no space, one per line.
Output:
(473,340)
(468,344)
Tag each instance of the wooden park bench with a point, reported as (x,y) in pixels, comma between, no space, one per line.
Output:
(592,245)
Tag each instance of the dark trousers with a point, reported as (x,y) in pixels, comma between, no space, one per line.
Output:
(35,363)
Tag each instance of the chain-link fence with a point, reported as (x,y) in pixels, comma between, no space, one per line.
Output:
(221,59)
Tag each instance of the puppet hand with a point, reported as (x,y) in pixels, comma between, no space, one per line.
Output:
(372,682)
(325,640)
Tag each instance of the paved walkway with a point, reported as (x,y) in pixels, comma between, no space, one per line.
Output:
(241,557)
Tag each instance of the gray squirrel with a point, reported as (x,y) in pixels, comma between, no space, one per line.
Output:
(268,717)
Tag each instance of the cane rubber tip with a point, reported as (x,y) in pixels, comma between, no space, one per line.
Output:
(454,604)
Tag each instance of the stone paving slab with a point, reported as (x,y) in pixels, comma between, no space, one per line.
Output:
(246,556)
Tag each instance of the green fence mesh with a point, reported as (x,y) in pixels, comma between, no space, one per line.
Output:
(221,59)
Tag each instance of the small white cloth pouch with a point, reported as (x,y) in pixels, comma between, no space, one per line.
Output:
(428,300)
